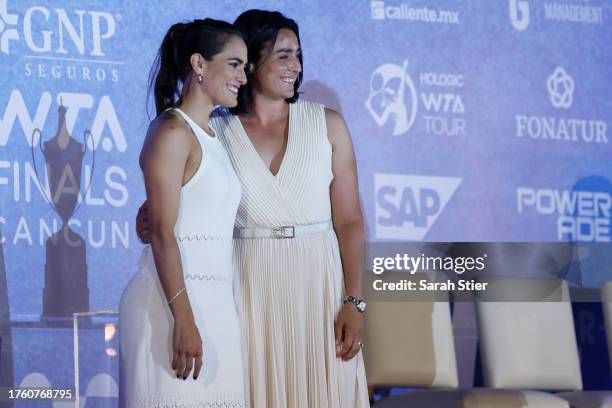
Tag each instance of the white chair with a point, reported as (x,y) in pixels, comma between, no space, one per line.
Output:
(530,345)
(525,346)
(409,343)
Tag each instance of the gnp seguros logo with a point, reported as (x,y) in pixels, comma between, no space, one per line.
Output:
(407,206)
(8,30)
(394,98)
(50,30)
(519,14)
(61,44)
(561,86)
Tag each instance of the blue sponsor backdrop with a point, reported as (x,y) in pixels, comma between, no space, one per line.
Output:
(472,120)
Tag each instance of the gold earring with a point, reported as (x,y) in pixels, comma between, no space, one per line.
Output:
(200,78)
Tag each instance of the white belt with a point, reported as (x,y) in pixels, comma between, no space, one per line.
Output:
(291,231)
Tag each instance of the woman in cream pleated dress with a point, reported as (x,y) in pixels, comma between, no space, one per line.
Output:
(296,165)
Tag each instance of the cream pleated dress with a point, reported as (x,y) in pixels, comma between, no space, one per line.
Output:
(203,230)
(290,289)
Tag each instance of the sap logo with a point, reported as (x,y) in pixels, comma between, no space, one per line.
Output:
(519,14)
(560,88)
(408,206)
(41,26)
(378,9)
(392,97)
(105,117)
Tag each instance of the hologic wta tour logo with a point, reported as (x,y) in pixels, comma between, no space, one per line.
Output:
(407,206)
(394,98)
(556,128)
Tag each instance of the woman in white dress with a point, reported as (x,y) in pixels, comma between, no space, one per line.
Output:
(300,230)
(181,341)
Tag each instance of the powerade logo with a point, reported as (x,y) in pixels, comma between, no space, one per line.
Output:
(407,206)
(581,215)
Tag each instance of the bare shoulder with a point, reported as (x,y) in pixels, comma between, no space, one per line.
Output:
(168,136)
(167,127)
(333,118)
(337,131)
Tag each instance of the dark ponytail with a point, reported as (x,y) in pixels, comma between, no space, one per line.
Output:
(172,65)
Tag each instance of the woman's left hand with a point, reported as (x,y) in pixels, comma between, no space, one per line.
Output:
(349,331)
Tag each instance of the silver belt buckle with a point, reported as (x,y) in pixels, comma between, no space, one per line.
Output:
(281,232)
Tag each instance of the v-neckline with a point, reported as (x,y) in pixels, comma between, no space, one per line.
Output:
(254,149)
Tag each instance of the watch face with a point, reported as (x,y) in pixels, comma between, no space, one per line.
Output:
(361,306)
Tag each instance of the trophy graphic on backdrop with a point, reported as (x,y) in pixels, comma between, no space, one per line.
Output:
(66,290)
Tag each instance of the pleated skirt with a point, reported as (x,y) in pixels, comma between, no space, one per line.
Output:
(289,293)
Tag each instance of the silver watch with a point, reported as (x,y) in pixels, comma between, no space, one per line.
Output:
(359,303)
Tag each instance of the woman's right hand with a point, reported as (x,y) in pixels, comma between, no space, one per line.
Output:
(142,224)
(187,348)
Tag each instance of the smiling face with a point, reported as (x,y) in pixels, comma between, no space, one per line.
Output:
(225,73)
(279,67)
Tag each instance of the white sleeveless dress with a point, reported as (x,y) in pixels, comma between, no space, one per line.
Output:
(291,289)
(203,230)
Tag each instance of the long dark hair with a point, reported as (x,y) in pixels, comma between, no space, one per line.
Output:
(172,65)
(259,29)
